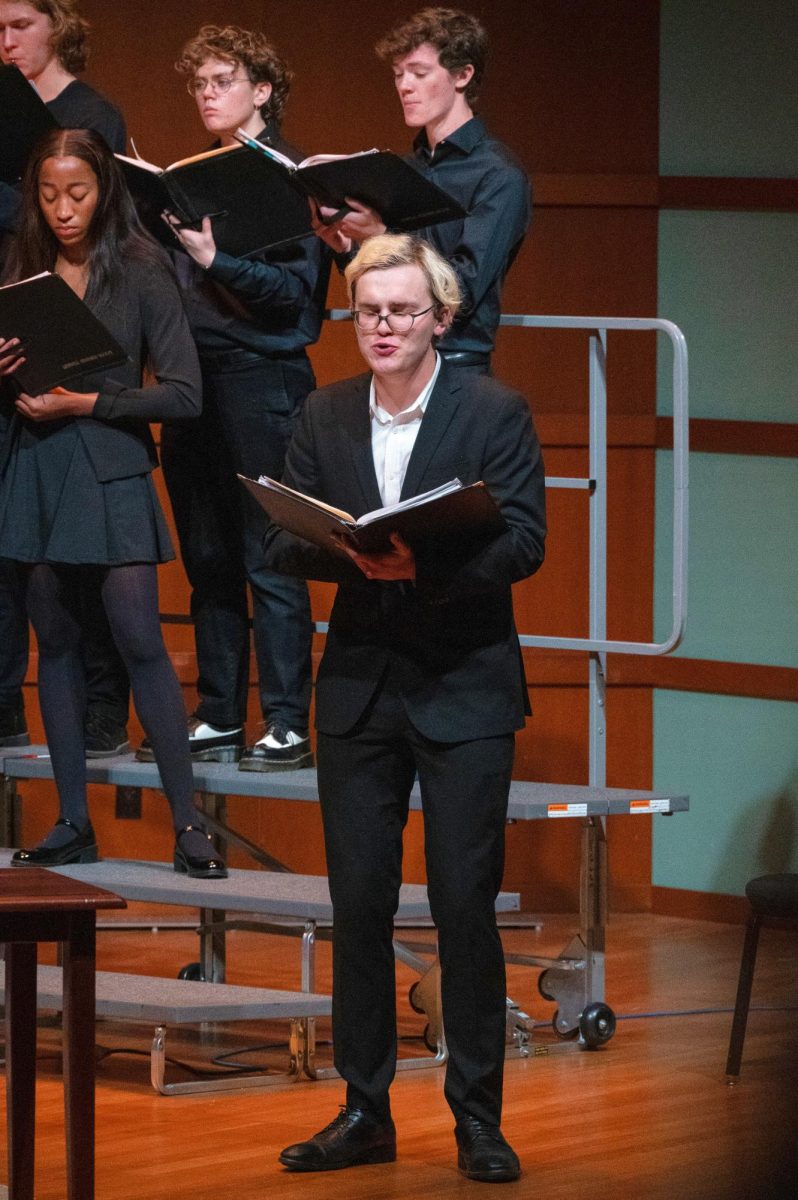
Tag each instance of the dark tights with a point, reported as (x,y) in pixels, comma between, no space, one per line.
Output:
(130,598)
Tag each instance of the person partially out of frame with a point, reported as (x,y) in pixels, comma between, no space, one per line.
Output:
(78,509)
(421,675)
(48,42)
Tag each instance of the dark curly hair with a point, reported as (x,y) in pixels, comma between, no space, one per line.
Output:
(70,39)
(459,38)
(256,55)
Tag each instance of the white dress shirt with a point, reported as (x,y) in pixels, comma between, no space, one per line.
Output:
(393,438)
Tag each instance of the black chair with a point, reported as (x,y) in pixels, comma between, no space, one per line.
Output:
(770,896)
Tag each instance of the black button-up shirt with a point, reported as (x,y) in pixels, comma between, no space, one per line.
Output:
(483,175)
(270,303)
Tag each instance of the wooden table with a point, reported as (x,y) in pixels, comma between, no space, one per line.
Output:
(41,906)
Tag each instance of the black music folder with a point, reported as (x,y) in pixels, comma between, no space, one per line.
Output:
(403,197)
(250,211)
(24,117)
(453,509)
(61,337)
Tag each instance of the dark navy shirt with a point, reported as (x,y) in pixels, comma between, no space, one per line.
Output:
(78,106)
(267,304)
(482,174)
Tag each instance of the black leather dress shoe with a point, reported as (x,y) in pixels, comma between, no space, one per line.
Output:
(197,866)
(483,1153)
(81,849)
(353,1139)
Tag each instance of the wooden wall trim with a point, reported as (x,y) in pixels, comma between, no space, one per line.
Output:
(775,439)
(714,192)
(742,194)
(571,430)
(596,191)
(704,675)
(699,906)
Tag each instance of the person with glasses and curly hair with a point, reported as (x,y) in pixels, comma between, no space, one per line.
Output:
(48,41)
(252,319)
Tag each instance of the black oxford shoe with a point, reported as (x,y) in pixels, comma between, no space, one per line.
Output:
(353,1139)
(484,1154)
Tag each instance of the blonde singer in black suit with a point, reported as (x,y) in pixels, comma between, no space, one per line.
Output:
(421,674)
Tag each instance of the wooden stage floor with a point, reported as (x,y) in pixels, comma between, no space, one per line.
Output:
(648,1117)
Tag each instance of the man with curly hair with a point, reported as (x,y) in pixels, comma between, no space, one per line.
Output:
(438,58)
(252,320)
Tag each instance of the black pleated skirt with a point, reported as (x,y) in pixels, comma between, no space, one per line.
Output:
(54,509)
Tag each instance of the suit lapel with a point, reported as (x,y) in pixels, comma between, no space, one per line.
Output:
(441,409)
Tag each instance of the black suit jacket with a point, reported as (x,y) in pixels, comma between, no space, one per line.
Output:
(451,637)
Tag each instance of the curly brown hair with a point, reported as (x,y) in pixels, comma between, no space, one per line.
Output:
(70,37)
(252,51)
(459,38)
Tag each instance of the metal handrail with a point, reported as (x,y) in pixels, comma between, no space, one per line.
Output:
(596,483)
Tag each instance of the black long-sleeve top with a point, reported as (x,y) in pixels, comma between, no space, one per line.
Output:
(483,175)
(270,303)
(78,106)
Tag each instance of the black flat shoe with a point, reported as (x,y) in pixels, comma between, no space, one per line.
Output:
(353,1139)
(81,849)
(483,1152)
(197,866)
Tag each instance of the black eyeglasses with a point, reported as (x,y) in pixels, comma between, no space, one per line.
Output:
(397,322)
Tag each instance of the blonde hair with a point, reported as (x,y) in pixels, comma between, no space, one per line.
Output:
(403,250)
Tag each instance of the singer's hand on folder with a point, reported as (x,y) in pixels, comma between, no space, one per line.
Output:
(397,563)
(11,355)
(199,243)
(361,222)
(326,224)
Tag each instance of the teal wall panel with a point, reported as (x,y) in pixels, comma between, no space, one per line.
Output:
(738,760)
(743,558)
(728,280)
(728,100)
(728,87)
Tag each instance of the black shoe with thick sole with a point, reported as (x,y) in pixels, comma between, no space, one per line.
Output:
(206,743)
(105,737)
(13,726)
(354,1139)
(280,749)
(197,866)
(81,849)
(484,1154)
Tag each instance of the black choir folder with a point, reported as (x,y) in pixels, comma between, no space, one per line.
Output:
(249,210)
(453,509)
(404,198)
(62,339)
(24,117)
